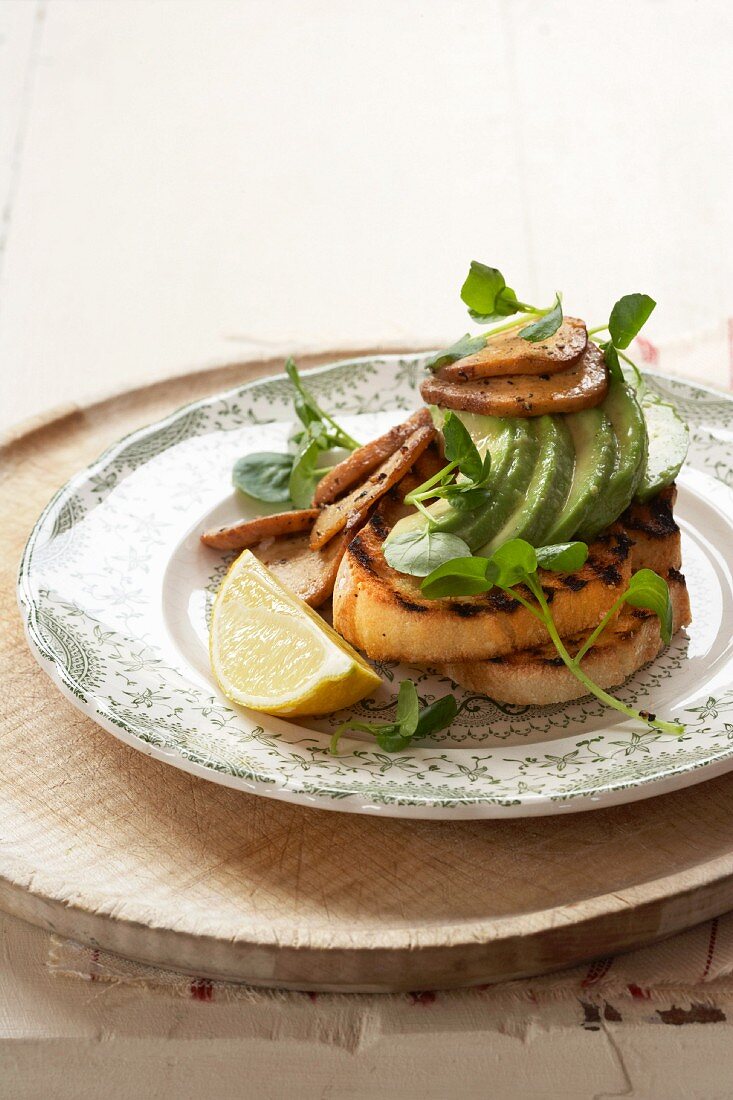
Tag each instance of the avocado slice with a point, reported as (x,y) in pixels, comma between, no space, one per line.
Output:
(669,438)
(509,486)
(546,491)
(514,450)
(629,427)
(489,433)
(594,442)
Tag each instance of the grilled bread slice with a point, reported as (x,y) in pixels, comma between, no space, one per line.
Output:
(538,676)
(655,533)
(384,613)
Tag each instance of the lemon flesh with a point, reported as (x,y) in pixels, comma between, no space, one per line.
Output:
(271,652)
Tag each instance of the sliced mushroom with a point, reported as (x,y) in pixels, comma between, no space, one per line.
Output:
(349,509)
(308,573)
(238,536)
(360,463)
(391,507)
(582,387)
(508,354)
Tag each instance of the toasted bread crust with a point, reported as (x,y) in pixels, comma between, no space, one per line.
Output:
(538,677)
(384,613)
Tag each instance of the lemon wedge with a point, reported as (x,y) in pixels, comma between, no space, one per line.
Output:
(271,652)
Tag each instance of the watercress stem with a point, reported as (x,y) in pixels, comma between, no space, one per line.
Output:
(423,511)
(521,320)
(592,638)
(349,441)
(598,328)
(593,688)
(626,358)
(422,490)
(524,602)
(341,730)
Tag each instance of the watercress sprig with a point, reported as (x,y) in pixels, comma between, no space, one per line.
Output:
(464,461)
(516,563)
(628,316)
(463,481)
(409,721)
(278,478)
(312,416)
(489,299)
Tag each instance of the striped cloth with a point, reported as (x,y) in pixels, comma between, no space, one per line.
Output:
(685,979)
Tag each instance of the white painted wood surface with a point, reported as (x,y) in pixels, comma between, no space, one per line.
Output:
(192,183)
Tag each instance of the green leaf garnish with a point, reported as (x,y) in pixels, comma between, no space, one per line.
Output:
(321,424)
(650,591)
(437,716)
(515,560)
(488,297)
(628,317)
(507,305)
(611,356)
(461,450)
(278,478)
(420,552)
(460,577)
(466,494)
(305,475)
(467,345)
(409,721)
(408,708)
(547,325)
(264,475)
(564,557)
(482,288)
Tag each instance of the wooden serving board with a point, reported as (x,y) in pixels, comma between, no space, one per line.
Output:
(105,845)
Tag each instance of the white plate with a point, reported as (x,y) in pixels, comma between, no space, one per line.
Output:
(116,589)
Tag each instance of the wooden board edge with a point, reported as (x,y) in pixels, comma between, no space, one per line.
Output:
(372,970)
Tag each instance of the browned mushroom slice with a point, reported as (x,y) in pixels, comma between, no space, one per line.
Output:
(582,387)
(308,573)
(360,463)
(238,536)
(334,517)
(508,353)
(391,507)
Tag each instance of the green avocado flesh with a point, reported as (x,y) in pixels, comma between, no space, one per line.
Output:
(669,439)
(546,490)
(668,436)
(629,427)
(594,444)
